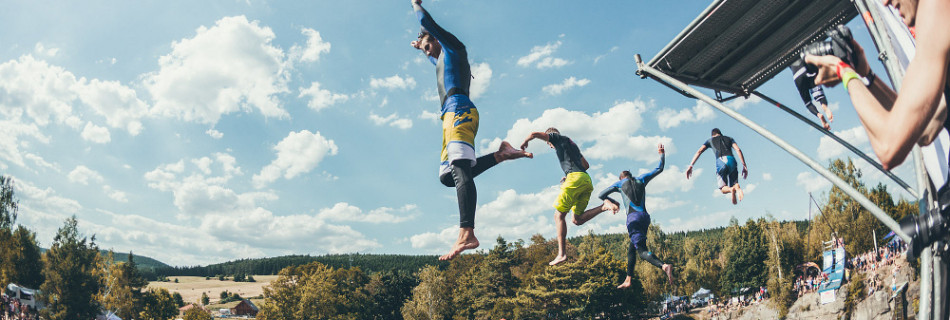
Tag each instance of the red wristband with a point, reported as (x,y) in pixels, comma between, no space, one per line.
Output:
(841,65)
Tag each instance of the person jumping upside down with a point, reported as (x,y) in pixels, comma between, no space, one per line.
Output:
(726,170)
(459,124)
(633,192)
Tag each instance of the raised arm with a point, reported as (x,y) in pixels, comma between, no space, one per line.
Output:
(605,195)
(745,171)
(689,170)
(646,177)
(532,136)
(447,40)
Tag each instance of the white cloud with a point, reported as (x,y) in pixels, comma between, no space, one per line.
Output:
(740,103)
(829,148)
(116,195)
(812,182)
(767,176)
(482,74)
(612,50)
(83,175)
(427,115)
(117,103)
(10,133)
(229,67)
(42,50)
(320,98)
(606,135)
(96,134)
(542,55)
(558,88)
(345,212)
(669,118)
(298,153)
(315,47)
(214,133)
(392,120)
(393,82)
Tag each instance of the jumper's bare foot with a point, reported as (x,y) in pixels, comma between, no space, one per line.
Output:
(458,248)
(669,273)
(823,122)
(557,260)
(466,241)
(734,200)
(507,152)
(739,193)
(625,284)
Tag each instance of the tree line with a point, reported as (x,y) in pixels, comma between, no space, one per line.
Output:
(272,266)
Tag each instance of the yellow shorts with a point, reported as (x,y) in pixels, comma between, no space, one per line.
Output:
(458,136)
(575,193)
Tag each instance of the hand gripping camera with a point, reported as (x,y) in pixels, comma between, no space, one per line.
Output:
(839,45)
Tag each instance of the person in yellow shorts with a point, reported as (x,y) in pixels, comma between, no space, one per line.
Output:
(576,186)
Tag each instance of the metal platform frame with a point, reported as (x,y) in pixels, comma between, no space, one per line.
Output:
(708,71)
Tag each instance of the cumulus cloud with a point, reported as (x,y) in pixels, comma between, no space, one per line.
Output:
(392,120)
(314,47)
(297,154)
(482,78)
(96,134)
(829,148)
(320,98)
(115,195)
(601,135)
(83,175)
(669,118)
(42,50)
(11,131)
(812,182)
(345,212)
(541,57)
(392,83)
(428,115)
(558,88)
(229,67)
(214,133)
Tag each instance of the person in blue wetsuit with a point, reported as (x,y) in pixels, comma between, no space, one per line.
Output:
(726,170)
(459,124)
(633,192)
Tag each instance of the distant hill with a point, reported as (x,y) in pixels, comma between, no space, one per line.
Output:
(142,262)
(369,263)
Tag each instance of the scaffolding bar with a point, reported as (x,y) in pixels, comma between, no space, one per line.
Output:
(854,149)
(844,186)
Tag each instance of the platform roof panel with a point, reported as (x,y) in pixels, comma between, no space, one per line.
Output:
(736,45)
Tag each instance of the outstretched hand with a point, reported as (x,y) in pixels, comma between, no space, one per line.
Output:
(745,172)
(525,144)
(660,149)
(689,172)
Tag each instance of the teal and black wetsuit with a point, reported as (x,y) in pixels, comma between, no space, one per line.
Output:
(633,192)
(458,165)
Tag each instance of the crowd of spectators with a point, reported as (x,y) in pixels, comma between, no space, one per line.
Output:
(14,310)
(725,308)
(871,262)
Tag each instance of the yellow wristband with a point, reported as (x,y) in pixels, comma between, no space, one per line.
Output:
(848,76)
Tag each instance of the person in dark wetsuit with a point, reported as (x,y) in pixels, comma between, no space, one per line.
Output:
(459,124)
(726,169)
(810,93)
(633,192)
(576,187)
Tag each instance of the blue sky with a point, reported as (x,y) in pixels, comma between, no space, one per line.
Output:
(204,132)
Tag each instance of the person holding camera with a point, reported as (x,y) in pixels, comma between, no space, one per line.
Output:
(895,122)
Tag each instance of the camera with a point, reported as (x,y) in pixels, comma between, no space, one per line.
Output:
(839,45)
(925,229)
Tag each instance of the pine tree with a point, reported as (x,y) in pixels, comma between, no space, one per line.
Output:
(431,299)
(73,275)
(124,284)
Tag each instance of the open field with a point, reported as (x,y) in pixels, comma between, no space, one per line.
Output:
(191,288)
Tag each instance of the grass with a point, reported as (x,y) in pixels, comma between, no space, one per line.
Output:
(191,288)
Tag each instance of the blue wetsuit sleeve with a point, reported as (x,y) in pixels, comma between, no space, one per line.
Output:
(646,177)
(447,40)
(605,195)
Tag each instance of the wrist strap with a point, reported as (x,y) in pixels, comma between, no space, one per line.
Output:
(848,76)
(841,66)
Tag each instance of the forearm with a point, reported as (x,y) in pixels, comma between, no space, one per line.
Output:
(741,157)
(695,157)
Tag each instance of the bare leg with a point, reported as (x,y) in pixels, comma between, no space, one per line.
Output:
(507,152)
(561,226)
(587,215)
(466,241)
(726,190)
(823,122)
(831,117)
(668,269)
(739,193)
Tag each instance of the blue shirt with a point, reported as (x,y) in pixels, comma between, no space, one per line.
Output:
(451,68)
(633,191)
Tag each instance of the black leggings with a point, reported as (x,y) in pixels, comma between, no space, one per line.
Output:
(633,252)
(461,177)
